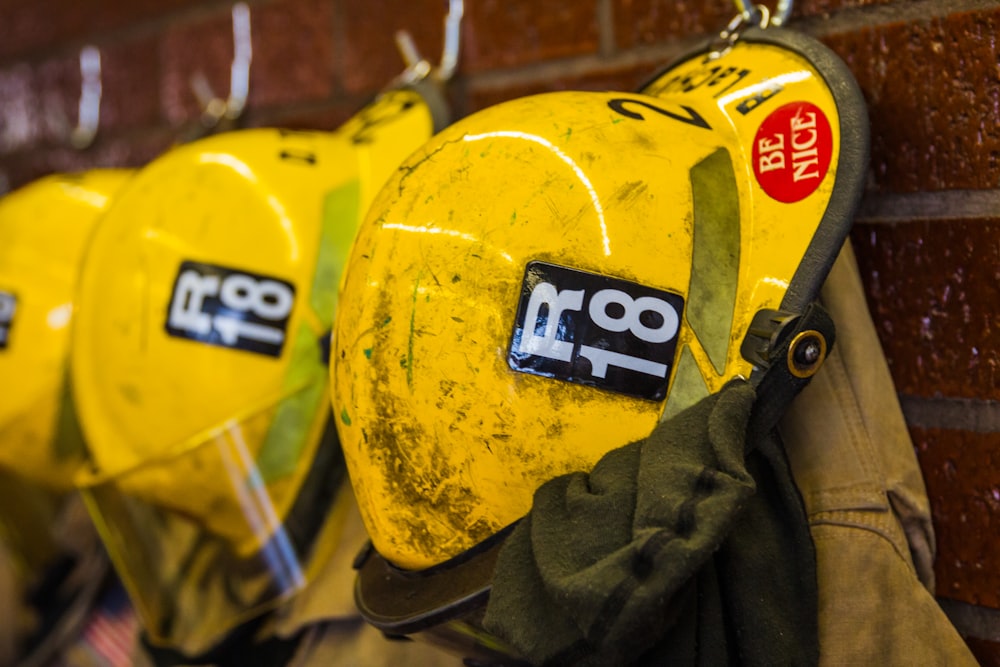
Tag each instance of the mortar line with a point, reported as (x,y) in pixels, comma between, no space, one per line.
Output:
(953,414)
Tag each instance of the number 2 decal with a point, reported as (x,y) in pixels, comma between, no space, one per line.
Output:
(686,114)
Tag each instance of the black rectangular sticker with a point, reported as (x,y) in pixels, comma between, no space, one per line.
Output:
(595,330)
(8,306)
(230,308)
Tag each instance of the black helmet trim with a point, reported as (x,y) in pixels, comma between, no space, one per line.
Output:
(852,167)
(401,602)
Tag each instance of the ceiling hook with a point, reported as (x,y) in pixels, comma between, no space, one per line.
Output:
(89,114)
(214,108)
(417,67)
(452,39)
(239,73)
(757,15)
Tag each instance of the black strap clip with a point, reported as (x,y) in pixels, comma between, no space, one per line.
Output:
(798,342)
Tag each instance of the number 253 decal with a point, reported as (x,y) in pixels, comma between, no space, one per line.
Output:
(595,330)
(230,308)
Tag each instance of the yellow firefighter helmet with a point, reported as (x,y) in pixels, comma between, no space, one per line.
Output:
(44,227)
(200,363)
(54,562)
(547,279)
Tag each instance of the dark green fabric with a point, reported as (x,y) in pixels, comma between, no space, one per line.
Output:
(673,550)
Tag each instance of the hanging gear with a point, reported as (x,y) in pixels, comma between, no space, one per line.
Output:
(200,365)
(548,280)
(856,468)
(53,560)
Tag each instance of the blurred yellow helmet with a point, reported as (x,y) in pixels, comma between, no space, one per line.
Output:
(547,279)
(56,566)
(44,228)
(200,363)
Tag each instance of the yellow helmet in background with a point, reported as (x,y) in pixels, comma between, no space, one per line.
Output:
(54,560)
(200,356)
(547,279)
(44,228)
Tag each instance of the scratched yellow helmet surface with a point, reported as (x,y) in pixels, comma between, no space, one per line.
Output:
(44,227)
(545,280)
(200,363)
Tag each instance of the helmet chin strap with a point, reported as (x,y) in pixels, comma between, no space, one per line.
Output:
(787,350)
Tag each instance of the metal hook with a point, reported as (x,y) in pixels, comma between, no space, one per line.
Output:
(417,67)
(239,72)
(89,115)
(214,108)
(750,15)
(452,39)
(758,15)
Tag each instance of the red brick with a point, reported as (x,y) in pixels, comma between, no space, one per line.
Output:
(57,83)
(933,290)
(20,120)
(115,14)
(205,46)
(366,29)
(647,21)
(23,169)
(41,102)
(960,471)
(15,172)
(327,117)
(986,652)
(811,7)
(30,27)
(293,56)
(933,92)
(508,33)
(625,79)
(130,84)
(129,151)
(105,152)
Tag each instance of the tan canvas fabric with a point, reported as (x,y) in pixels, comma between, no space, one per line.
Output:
(354,643)
(337,636)
(854,463)
(9,608)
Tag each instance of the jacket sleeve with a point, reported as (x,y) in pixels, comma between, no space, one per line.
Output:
(854,463)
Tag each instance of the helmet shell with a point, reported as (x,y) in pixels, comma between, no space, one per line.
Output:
(199,369)
(206,298)
(44,229)
(548,278)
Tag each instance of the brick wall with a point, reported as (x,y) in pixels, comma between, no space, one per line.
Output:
(928,235)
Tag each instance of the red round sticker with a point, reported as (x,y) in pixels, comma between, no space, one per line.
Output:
(792,151)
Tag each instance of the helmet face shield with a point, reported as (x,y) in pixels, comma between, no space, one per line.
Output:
(189,580)
(200,364)
(548,278)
